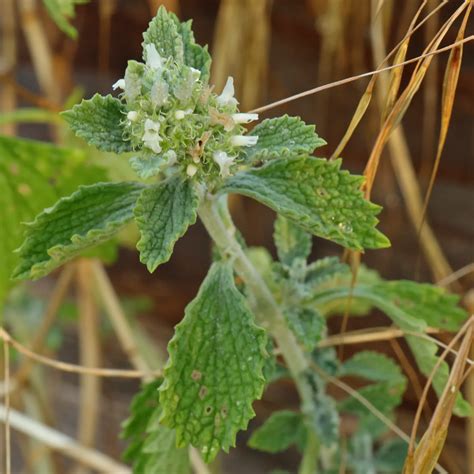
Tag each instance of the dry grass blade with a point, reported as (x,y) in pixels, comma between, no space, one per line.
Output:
(366,97)
(395,79)
(423,459)
(402,104)
(450,83)
(356,118)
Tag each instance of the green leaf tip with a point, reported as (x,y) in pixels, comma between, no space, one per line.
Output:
(282,137)
(91,215)
(175,39)
(163,213)
(318,196)
(281,430)
(215,367)
(99,122)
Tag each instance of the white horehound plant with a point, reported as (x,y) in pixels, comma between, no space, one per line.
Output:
(190,149)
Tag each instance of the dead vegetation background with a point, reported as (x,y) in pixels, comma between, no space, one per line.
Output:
(409,129)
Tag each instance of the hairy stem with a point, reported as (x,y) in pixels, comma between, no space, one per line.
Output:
(215,217)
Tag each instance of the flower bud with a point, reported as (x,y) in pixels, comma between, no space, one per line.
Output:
(243,140)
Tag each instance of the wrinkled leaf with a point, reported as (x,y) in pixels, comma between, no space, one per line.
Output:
(99,122)
(317,195)
(163,213)
(91,215)
(283,136)
(214,371)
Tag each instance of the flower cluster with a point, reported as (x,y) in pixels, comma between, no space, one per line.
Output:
(175,121)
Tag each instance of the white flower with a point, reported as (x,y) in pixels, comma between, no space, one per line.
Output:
(191,170)
(243,140)
(196,73)
(244,118)
(120,84)
(151,137)
(180,114)
(224,161)
(171,157)
(227,96)
(132,116)
(159,93)
(153,58)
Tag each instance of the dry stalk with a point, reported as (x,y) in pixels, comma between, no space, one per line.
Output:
(8,52)
(241,48)
(450,83)
(62,443)
(39,48)
(54,303)
(423,459)
(67,367)
(89,345)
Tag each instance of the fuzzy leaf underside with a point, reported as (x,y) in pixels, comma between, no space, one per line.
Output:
(214,371)
(281,430)
(175,39)
(163,213)
(91,215)
(61,11)
(282,137)
(291,241)
(151,446)
(318,196)
(99,122)
(33,175)
(307,324)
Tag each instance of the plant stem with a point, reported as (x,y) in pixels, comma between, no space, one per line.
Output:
(215,217)
(309,463)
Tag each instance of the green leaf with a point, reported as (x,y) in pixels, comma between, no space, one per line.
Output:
(134,427)
(384,396)
(433,306)
(280,431)
(91,215)
(195,55)
(291,241)
(176,39)
(372,366)
(160,453)
(214,371)
(61,11)
(391,456)
(283,137)
(317,195)
(99,122)
(164,32)
(411,306)
(152,446)
(307,324)
(33,175)
(163,214)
